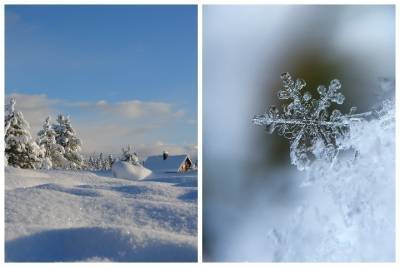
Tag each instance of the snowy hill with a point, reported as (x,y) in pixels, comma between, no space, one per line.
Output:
(87,216)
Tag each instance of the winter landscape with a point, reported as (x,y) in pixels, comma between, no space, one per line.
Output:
(100,167)
(61,207)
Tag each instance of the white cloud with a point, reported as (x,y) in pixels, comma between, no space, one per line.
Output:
(138,109)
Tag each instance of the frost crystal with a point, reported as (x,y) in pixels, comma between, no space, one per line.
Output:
(313,131)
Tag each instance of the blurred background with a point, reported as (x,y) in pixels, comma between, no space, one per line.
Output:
(248,182)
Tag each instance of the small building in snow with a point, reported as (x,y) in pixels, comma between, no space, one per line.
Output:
(167,163)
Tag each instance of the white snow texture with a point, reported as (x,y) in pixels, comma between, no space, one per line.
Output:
(58,215)
(349,214)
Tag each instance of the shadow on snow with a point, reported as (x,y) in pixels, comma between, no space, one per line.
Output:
(83,244)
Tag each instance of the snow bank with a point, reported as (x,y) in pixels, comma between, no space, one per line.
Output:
(125,170)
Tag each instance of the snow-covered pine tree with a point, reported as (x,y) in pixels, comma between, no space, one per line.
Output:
(54,153)
(110,161)
(100,162)
(9,113)
(91,164)
(130,156)
(20,149)
(66,137)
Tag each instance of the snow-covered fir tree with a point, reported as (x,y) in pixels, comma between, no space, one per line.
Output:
(100,162)
(110,161)
(105,163)
(54,153)
(90,164)
(66,137)
(9,113)
(129,155)
(20,149)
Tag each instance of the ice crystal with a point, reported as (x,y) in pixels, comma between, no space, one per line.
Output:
(313,131)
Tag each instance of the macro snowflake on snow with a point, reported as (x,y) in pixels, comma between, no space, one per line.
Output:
(313,131)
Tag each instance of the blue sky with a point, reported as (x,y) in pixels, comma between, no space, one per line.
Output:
(93,61)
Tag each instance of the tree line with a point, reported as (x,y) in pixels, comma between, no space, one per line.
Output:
(56,146)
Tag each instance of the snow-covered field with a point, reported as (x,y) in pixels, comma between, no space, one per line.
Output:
(91,216)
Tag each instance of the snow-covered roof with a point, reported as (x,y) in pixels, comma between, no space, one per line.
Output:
(172,163)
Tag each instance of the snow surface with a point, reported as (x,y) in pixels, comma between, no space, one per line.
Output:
(54,215)
(126,170)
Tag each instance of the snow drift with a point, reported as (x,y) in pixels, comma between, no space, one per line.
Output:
(54,215)
(126,170)
(100,244)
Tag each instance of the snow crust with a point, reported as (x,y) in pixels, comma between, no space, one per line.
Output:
(126,170)
(55,215)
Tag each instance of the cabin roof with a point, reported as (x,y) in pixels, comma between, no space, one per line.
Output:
(172,163)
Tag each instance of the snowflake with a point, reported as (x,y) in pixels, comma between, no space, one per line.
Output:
(313,131)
